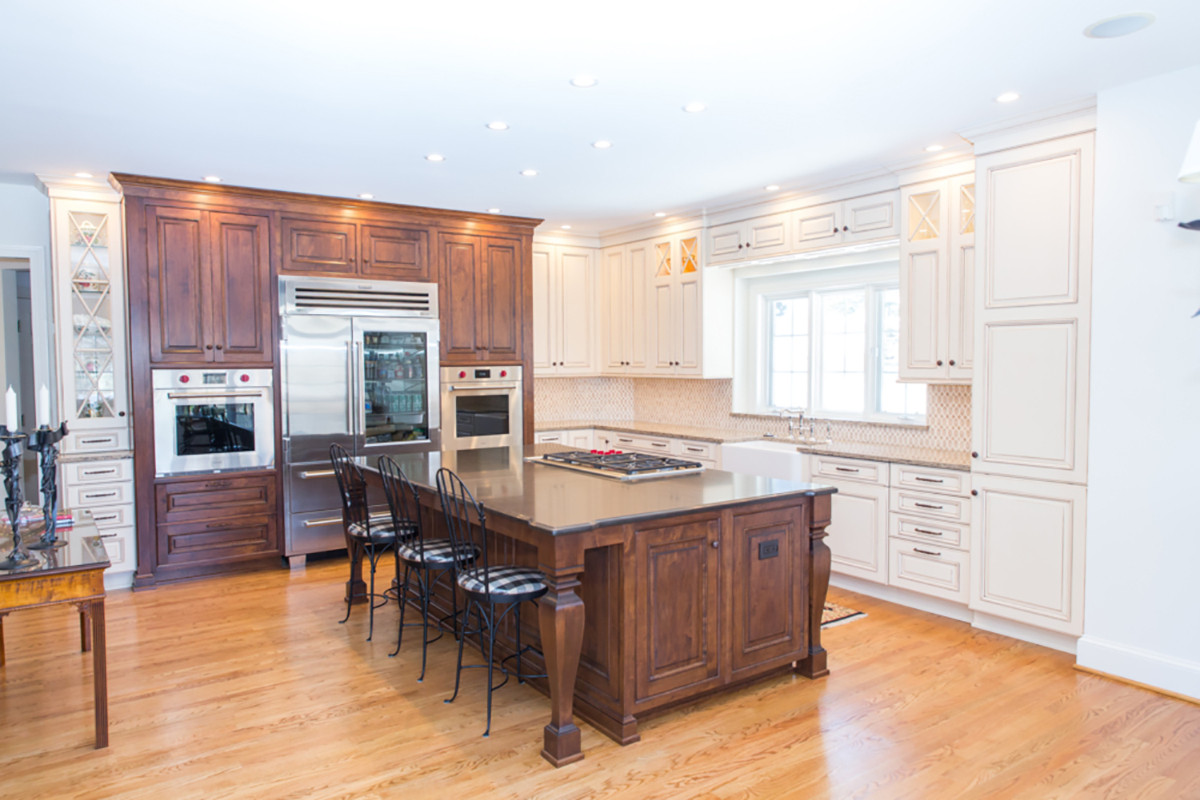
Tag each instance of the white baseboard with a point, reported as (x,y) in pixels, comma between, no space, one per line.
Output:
(1174,675)
(1026,633)
(118,580)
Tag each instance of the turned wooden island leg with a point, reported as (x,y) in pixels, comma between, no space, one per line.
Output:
(815,665)
(560,618)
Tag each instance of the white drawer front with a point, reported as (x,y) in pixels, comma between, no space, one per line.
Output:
(101,494)
(119,545)
(954,509)
(107,517)
(928,570)
(698,451)
(99,471)
(641,444)
(926,479)
(934,532)
(97,442)
(849,469)
(548,437)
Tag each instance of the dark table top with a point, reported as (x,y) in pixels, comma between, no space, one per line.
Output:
(83,550)
(561,500)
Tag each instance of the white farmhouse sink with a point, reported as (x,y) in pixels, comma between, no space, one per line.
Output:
(764,457)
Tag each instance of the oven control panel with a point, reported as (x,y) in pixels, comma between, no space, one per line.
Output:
(210,378)
(464,377)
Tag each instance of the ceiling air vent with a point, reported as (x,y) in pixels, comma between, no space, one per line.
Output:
(357,298)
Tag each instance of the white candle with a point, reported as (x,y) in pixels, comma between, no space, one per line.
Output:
(10,409)
(43,409)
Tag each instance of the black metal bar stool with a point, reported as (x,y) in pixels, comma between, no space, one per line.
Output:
(427,559)
(363,537)
(485,585)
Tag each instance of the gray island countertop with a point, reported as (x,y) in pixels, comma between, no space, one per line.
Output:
(565,501)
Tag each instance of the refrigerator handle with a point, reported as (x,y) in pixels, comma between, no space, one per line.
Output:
(351,387)
(360,385)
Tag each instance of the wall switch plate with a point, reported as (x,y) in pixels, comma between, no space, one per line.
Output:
(768,549)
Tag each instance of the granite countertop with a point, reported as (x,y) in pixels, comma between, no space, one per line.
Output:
(894,454)
(565,501)
(108,455)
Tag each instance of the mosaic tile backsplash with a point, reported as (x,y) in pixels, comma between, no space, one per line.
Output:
(707,404)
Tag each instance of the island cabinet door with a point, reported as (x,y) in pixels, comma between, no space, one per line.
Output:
(678,605)
(768,588)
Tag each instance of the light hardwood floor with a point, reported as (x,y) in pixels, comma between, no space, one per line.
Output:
(248,687)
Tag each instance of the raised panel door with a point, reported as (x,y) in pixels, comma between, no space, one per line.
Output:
(818,226)
(241,288)
(768,606)
(1035,216)
(546,313)
(663,319)
(1029,417)
(177,284)
(639,308)
(502,289)
(767,236)
(689,330)
(678,605)
(576,301)
(857,535)
(317,246)
(961,264)
(871,217)
(727,242)
(921,322)
(392,253)
(461,328)
(616,309)
(1027,551)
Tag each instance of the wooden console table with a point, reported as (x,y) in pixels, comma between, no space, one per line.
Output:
(71,574)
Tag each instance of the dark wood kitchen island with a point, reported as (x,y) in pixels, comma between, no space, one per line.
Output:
(661,590)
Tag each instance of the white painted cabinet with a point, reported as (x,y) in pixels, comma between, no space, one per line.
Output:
(675,299)
(929,531)
(937,252)
(1028,542)
(858,531)
(563,310)
(575,438)
(625,279)
(850,221)
(758,237)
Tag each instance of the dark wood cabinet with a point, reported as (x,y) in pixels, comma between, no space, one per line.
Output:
(372,250)
(208,287)
(482,298)
(678,606)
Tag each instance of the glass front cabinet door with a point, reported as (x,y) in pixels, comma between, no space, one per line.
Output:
(89,290)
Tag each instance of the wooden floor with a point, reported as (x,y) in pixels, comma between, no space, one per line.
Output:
(248,687)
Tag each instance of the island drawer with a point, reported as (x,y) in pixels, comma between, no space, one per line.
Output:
(849,469)
(935,532)
(928,570)
(929,479)
(955,509)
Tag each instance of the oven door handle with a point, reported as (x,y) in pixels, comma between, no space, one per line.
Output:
(192,395)
(491,388)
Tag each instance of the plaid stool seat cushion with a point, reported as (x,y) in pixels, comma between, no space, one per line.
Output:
(436,552)
(380,531)
(504,581)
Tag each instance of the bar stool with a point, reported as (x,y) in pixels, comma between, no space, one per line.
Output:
(428,559)
(374,539)
(485,585)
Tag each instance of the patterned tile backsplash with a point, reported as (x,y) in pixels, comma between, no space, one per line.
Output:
(707,404)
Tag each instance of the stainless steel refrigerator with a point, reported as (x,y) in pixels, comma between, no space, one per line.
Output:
(360,368)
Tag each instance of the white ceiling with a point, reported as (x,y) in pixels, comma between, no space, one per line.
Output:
(346,97)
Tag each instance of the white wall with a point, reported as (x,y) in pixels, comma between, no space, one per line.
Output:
(1142,608)
(24,216)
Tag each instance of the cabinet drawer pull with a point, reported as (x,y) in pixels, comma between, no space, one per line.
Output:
(658,444)
(105,440)
(317,473)
(930,505)
(928,480)
(109,471)
(927,532)
(847,469)
(694,449)
(105,517)
(109,535)
(315,523)
(625,441)
(98,495)
(218,484)
(926,552)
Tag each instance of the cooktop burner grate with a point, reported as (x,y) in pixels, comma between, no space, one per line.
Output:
(619,464)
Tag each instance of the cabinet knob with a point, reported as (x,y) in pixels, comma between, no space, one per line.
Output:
(208,347)
(974,493)
(120,413)
(845,227)
(939,363)
(219,347)
(974,454)
(739,247)
(716,544)
(952,362)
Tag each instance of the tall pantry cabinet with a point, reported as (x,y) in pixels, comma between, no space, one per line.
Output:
(1030,395)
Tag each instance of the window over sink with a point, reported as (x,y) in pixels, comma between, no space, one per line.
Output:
(822,334)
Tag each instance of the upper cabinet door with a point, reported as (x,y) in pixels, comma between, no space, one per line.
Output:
(178,286)
(817,226)
(575,301)
(503,293)
(459,261)
(315,246)
(241,289)
(767,236)
(870,217)
(923,312)
(546,312)
(727,243)
(399,254)
(961,263)
(1035,216)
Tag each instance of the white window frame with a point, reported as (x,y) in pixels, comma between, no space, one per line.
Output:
(756,288)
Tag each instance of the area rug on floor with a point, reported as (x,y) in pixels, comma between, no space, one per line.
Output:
(836,615)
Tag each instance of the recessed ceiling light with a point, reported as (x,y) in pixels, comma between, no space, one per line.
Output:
(84,175)
(935,148)
(602,144)
(694,108)
(212,178)
(1007,97)
(584,81)
(566,227)
(366,196)
(497,126)
(493,211)
(435,157)
(660,213)
(773,187)
(1121,25)
(529,173)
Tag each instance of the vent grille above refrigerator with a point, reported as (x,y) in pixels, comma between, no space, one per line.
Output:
(358,298)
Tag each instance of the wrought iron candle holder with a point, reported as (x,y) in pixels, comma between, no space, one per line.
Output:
(14,447)
(44,441)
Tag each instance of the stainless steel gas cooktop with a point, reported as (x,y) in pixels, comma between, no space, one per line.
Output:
(619,465)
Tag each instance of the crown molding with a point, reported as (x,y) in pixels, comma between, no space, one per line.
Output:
(1067,119)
